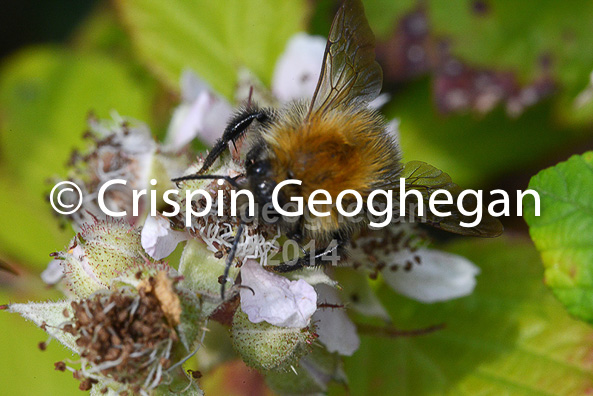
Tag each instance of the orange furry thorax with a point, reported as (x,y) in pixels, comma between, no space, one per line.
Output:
(336,151)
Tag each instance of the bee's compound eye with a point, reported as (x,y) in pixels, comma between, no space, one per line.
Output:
(266,188)
(259,169)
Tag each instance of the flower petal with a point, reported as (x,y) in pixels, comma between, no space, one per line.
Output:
(314,276)
(379,101)
(274,298)
(440,275)
(158,239)
(393,129)
(362,297)
(53,273)
(191,85)
(297,70)
(203,114)
(336,330)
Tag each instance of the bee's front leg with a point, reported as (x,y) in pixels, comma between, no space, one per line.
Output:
(234,130)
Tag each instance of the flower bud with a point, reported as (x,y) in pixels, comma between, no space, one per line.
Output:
(102,254)
(311,377)
(267,347)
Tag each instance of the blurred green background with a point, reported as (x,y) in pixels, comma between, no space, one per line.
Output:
(489,91)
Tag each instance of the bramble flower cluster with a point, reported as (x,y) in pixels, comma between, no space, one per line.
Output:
(141,290)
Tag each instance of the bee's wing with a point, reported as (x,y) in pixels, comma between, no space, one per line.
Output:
(426,179)
(349,74)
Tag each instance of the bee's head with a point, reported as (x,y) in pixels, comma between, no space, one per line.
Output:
(261,183)
(262,178)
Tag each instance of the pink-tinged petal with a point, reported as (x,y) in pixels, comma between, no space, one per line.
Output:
(158,239)
(297,70)
(202,114)
(439,276)
(336,330)
(191,86)
(53,273)
(274,298)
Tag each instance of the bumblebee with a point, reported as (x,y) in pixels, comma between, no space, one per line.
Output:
(334,142)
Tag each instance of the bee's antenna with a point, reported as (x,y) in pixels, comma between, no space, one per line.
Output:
(229,179)
(230,258)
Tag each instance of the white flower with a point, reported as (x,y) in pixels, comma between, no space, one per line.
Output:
(400,255)
(275,299)
(126,139)
(158,239)
(298,68)
(202,113)
(205,114)
(336,330)
(121,149)
(438,276)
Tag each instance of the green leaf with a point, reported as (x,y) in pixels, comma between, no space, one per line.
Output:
(515,35)
(509,337)
(384,14)
(31,225)
(522,36)
(213,38)
(45,95)
(102,32)
(563,233)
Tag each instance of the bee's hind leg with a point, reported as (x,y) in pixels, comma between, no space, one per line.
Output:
(333,253)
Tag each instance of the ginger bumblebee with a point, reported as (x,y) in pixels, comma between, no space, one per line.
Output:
(334,142)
